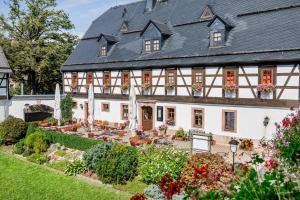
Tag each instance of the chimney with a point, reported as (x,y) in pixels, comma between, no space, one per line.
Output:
(150,4)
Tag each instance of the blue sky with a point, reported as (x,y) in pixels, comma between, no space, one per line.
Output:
(81,12)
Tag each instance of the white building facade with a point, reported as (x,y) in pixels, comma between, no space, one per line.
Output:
(219,71)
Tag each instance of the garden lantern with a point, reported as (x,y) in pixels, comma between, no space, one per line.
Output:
(233,147)
(266,121)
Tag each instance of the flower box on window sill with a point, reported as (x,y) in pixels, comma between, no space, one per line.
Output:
(170,86)
(197,87)
(170,122)
(74,86)
(230,87)
(146,86)
(124,87)
(105,87)
(266,88)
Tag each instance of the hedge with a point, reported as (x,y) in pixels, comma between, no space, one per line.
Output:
(71,141)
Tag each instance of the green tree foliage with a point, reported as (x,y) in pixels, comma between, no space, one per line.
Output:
(36,42)
(66,108)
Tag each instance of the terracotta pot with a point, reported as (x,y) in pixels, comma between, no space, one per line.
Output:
(91,135)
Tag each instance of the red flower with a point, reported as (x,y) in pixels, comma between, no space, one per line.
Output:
(271,164)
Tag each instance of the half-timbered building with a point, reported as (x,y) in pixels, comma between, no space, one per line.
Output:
(229,67)
(5,71)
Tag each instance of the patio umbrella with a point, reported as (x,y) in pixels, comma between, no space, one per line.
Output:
(132,111)
(91,107)
(57,111)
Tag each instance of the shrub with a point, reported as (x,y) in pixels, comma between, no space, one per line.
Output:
(38,158)
(120,165)
(273,186)
(96,154)
(19,147)
(66,105)
(246,144)
(32,127)
(197,160)
(287,140)
(12,130)
(74,168)
(71,141)
(155,163)
(180,133)
(154,192)
(37,141)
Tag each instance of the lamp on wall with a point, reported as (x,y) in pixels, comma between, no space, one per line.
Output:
(233,148)
(81,106)
(266,121)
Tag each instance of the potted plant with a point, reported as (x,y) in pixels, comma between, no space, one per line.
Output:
(124,87)
(106,86)
(230,87)
(91,135)
(197,87)
(266,88)
(170,86)
(180,135)
(163,129)
(146,86)
(246,144)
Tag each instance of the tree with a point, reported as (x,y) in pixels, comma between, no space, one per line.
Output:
(36,41)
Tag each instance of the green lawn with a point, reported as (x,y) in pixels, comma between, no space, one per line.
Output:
(27,181)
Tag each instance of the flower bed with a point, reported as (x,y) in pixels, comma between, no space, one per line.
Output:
(230,87)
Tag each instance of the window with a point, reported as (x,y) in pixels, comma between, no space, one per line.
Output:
(198,76)
(148,46)
(125,78)
(160,114)
(74,105)
(156,45)
(147,78)
(230,77)
(124,112)
(89,78)
(171,77)
(267,76)
(217,39)
(105,107)
(170,116)
(74,80)
(152,45)
(103,51)
(229,121)
(197,118)
(106,79)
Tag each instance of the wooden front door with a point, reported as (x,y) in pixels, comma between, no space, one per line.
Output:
(147,118)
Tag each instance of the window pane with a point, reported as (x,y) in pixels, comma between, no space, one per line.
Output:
(217,39)
(171,77)
(198,77)
(267,77)
(229,121)
(148,46)
(147,78)
(230,77)
(156,45)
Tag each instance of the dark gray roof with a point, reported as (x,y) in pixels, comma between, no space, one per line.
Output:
(109,38)
(262,31)
(4,66)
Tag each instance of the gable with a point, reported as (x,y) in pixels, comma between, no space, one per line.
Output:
(151,32)
(207,14)
(217,24)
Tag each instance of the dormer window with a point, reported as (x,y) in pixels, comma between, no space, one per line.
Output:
(103,51)
(152,45)
(217,39)
(148,46)
(219,30)
(156,45)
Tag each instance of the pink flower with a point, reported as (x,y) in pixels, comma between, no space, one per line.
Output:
(271,164)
